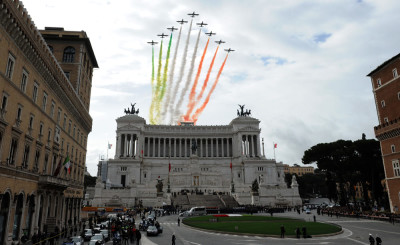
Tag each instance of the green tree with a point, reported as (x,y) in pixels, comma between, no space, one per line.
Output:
(347,163)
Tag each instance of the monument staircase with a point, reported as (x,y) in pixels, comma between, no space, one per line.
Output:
(219,201)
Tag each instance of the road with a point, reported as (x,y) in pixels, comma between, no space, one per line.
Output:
(356,231)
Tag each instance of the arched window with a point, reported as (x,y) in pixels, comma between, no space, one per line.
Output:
(69,53)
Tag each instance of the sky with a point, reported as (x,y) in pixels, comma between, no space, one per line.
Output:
(300,66)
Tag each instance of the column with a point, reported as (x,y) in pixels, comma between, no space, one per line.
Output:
(222,145)
(118,145)
(227,147)
(126,146)
(206,147)
(154,146)
(252,145)
(133,145)
(212,147)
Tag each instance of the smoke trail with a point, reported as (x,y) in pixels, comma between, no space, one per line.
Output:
(188,80)
(157,89)
(170,80)
(200,110)
(151,116)
(175,91)
(163,84)
(192,95)
(207,77)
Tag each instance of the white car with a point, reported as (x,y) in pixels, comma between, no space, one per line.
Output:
(77,240)
(308,211)
(98,237)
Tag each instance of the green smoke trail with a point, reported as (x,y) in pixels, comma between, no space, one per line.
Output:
(164,82)
(151,116)
(158,85)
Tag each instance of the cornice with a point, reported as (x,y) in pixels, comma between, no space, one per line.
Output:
(19,25)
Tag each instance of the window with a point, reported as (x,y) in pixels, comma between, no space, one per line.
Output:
(123,169)
(10,66)
(3,104)
(26,156)
(66,74)
(395,73)
(65,121)
(35,91)
(41,129)
(383,103)
(24,80)
(386,120)
(378,82)
(73,132)
(58,115)
(49,135)
(260,168)
(19,113)
(69,127)
(53,105)
(13,150)
(36,162)
(46,161)
(31,121)
(396,167)
(123,178)
(393,147)
(44,101)
(69,53)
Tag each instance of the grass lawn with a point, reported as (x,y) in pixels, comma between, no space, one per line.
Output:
(259,225)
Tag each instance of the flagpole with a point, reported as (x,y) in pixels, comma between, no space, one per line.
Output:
(273,145)
(108,146)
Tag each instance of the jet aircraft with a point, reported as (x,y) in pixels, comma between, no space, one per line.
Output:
(211,33)
(152,42)
(182,21)
(193,14)
(172,29)
(162,35)
(229,50)
(219,42)
(201,24)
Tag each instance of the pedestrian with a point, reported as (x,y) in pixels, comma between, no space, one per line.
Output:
(179,221)
(378,240)
(173,238)
(304,230)
(297,232)
(315,219)
(283,231)
(371,239)
(138,237)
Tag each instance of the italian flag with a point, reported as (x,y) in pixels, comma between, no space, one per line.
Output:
(67,164)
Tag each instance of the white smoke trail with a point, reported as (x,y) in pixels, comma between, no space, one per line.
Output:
(175,91)
(170,82)
(178,110)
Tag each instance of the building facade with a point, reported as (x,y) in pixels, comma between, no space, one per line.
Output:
(186,157)
(297,169)
(45,81)
(386,88)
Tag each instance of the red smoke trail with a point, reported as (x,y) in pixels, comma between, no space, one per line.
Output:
(193,91)
(200,110)
(207,77)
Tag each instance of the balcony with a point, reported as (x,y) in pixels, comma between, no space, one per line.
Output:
(388,129)
(50,182)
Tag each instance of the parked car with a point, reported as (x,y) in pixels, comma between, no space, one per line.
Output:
(78,240)
(184,214)
(106,235)
(88,235)
(98,237)
(308,211)
(152,231)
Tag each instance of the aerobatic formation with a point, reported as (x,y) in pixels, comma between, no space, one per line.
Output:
(169,91)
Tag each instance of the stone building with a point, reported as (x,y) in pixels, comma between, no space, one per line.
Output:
(297,169)
(153,161)
(386,88)
(45,84)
